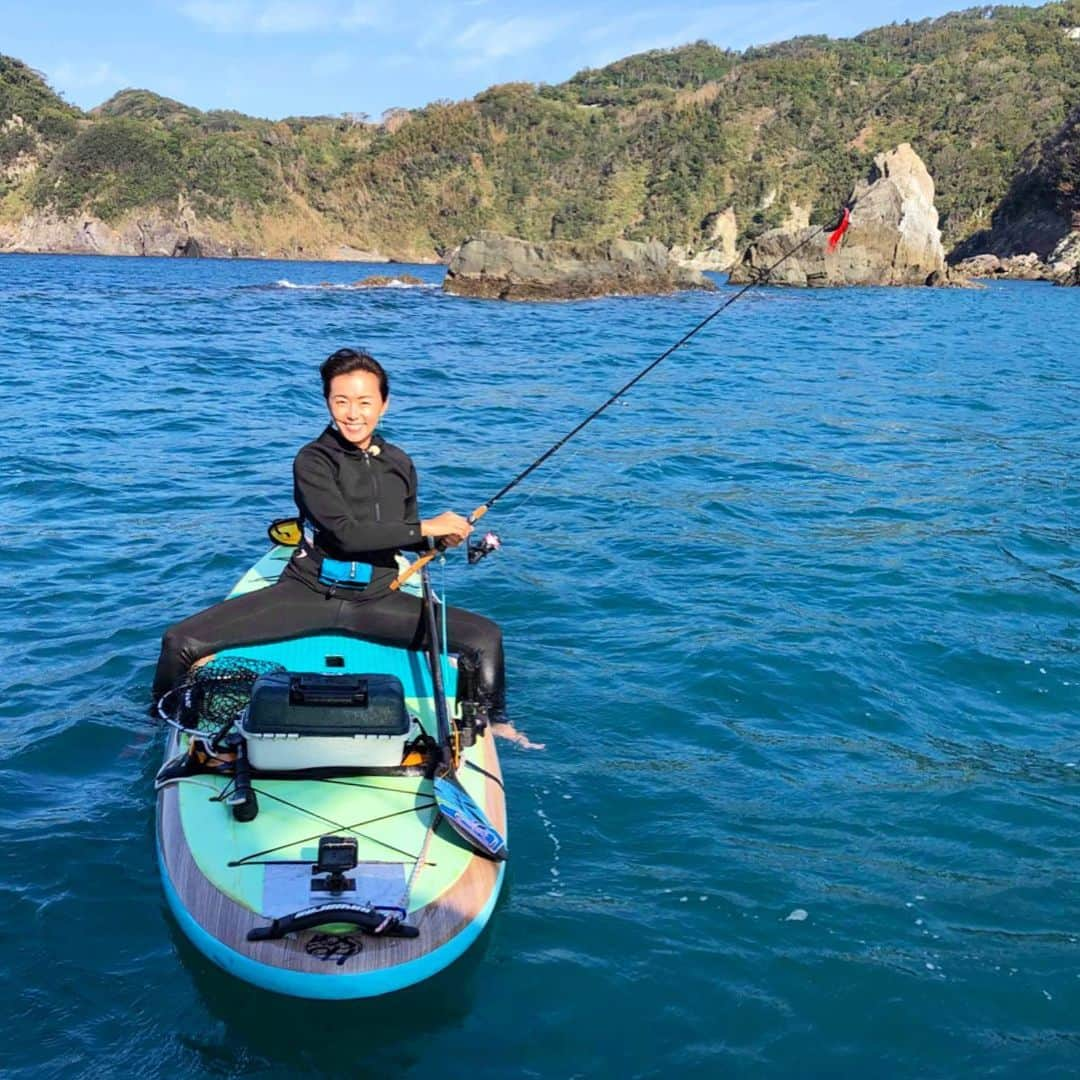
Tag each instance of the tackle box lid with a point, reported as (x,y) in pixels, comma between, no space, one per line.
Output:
(315,704)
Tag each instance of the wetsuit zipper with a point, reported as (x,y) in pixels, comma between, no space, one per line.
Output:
(374,485)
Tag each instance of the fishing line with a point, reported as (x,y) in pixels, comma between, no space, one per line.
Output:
(490,542)
(556,473)
(838,229)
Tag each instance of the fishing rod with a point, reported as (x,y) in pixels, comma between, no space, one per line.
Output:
(479,549)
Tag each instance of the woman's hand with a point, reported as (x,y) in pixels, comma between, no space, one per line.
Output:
(452,529)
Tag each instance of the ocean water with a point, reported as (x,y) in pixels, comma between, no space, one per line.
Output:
(798,622)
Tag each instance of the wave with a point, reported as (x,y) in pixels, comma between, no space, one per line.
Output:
(356,286)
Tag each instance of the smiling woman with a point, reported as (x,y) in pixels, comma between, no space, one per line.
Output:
(356,495)
(356,393)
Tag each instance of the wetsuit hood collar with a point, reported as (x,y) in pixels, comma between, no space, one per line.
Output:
(332,437)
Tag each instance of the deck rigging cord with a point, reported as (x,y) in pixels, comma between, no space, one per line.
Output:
(478,549)
(252,858)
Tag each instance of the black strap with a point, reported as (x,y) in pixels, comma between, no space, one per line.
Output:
(490,776)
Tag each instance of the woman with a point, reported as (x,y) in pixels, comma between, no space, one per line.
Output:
(356,494)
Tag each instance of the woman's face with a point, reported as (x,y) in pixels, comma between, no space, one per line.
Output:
(356,406)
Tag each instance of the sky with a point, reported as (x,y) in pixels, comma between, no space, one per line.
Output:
(277,58)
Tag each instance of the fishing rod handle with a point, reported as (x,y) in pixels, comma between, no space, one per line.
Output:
(420,563)
(414,568)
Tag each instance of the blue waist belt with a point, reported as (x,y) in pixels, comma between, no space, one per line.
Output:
(337,573)
(345,575)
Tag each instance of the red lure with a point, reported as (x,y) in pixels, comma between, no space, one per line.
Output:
(834,236)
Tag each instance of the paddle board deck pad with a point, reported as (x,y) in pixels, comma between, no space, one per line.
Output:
(263,900)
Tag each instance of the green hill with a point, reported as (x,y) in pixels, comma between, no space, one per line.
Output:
(32,117)
(651,145)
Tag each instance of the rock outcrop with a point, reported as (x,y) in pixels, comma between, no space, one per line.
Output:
(980,266)
(492,266)
(893,239)
(719,248)
(1027,267)
(381,281)
(151,234)
(1064,260)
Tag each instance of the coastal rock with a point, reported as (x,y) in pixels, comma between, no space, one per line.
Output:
(951,278)
(1027,267)
(1064,260)
(980,266)
(46,233)
(492,266)
(719,248)
(89,236)
(894,237)
(188,248)
(1069,276)
(380,281)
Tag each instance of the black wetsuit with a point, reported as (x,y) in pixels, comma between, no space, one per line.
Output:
(356,505)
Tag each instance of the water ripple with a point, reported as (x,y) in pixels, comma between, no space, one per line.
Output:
(797,620)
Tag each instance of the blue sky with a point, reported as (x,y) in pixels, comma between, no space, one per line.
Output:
(277,58)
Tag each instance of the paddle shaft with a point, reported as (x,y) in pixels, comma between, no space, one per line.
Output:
(461,811)
(442,713)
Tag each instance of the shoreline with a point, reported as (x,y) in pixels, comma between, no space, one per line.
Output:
(381,260)
(385,262)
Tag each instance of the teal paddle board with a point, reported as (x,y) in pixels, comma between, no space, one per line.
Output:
(249,894)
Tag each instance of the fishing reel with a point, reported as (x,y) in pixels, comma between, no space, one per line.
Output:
(478,549)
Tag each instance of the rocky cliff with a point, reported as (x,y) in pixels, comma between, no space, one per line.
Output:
(182,233)
(719,248)
(893,237)
(1040,212)
(1035,231)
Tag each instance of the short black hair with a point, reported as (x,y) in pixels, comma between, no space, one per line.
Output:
(345,361)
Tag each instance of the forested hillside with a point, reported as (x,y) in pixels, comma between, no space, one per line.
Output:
(651,146)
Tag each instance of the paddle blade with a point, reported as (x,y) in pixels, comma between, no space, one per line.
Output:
(467,819)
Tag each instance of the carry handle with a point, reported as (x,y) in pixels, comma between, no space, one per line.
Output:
(328,690)
(369,920)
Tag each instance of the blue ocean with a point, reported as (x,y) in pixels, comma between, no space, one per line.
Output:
(797,622)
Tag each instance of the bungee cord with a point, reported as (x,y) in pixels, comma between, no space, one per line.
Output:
(246,859)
